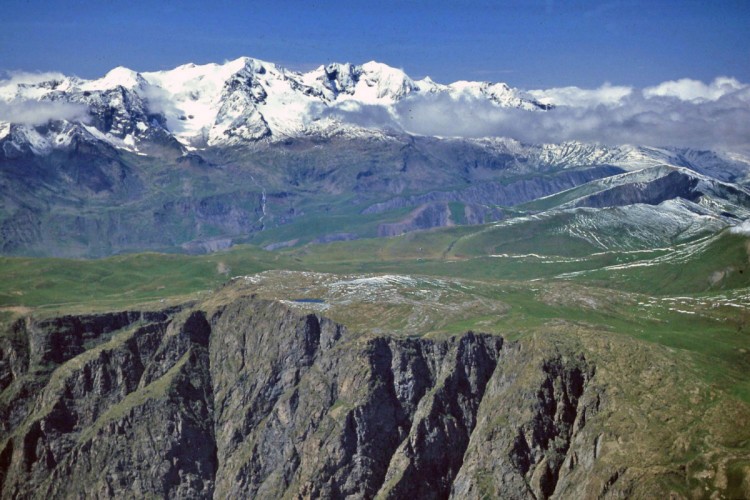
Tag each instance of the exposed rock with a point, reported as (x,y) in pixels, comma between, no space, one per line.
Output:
(329,238)
(670,186)
(424,217)
(207,246)
(502,193)
(251,399)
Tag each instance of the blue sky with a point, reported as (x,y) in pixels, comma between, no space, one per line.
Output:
(529,44)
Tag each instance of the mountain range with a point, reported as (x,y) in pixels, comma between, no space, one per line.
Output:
(247,151)
(222,105)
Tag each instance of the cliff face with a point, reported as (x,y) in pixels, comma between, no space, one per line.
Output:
(254,400)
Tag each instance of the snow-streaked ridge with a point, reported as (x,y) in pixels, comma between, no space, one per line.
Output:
(249,99)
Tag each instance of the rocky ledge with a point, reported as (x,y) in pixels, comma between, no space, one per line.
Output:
(251,399)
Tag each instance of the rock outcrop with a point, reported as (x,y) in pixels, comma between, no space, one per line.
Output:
(250,399)
(509,193)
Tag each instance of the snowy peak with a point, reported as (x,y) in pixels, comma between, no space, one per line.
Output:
(427,85)
(118,77)
(387,83)
(189,96)
(498,93)
(369,83)
(242,101)
(336,77)
(221,103)
(36,87)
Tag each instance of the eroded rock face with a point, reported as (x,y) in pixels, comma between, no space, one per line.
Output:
(255,400)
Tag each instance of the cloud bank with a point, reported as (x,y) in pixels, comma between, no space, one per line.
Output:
(607,94)
(682,113)
(40,112)
(14,78)
(695,90)
(34,112)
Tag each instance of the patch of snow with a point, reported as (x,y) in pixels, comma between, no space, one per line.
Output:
(190,95)
(127,143)
(681,311)
(742,228)
(315,306)
(38,143)
(118,77)
(627,157)
(388,279)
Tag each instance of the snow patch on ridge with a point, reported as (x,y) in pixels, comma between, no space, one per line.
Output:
(743,228)
(118,77)
(246,100)
(190,96)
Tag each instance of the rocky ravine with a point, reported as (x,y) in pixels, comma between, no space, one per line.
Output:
(253,400)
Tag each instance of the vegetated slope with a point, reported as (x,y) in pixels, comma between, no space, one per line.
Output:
(97,200)
(608,246)
(243,396)
(649,249)
(715,263)
(584,231)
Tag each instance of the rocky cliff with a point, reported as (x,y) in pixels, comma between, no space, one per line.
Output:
(251,399)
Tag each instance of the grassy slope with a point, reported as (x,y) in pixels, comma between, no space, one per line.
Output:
(123,281)
(713,327)
(712,265)
(690,304)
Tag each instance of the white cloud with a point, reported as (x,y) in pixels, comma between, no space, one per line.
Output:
(40,112)
(27,106)
(9,85)
(607,94)
(743,228)
(16,77)
(609,115)
(362,115)
(695,90)
(159,100)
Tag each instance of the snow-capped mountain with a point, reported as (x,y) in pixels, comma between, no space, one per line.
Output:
(723,166)
(224,104)
(248,100)
(201,156)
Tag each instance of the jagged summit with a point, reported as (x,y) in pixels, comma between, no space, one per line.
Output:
(239,101)
(118,77)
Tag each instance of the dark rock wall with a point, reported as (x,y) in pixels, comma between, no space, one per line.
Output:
(257,401)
